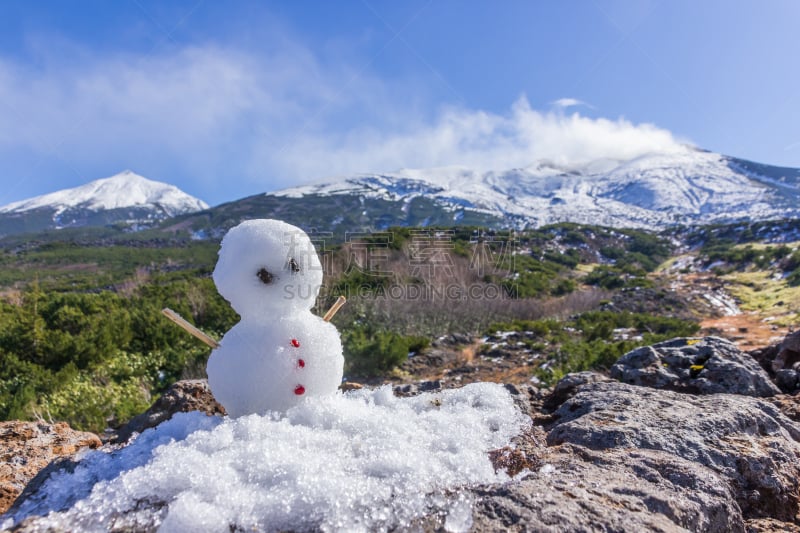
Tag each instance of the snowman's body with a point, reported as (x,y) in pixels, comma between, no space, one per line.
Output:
(280,352)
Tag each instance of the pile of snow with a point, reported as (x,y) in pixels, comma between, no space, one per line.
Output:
(362,461)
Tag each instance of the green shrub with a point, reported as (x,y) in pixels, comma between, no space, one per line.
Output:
(605,277)
(370,351)
(587,341)
(92,404)
(563,286)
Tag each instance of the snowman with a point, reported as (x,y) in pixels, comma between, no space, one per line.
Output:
(280,352)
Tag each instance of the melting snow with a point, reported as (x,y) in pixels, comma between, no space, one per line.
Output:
(363,461)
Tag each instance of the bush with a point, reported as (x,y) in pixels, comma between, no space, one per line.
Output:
(92,404)
(605,277)
(86,358)
(562,287)
(369,351)
(587,341)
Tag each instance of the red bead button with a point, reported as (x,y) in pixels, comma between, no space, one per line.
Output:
(299,390)
(295,343)
(301,363)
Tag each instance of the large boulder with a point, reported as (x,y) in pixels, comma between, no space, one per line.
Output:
(28,447)
(747,441)
(569,385)
(578,489)
(788,352)
(786,364)
(782,362)
(710,365)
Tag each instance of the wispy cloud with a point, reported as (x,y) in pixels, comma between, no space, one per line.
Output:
(564,103)
(792,146)
(279,118)
(477,139)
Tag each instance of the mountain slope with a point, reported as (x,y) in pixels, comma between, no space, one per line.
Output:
(685,187)
(124,197)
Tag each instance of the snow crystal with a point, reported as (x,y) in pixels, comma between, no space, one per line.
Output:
(361,461)
(547,469)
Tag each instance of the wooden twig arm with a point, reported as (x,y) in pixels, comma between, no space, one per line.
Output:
(179,320)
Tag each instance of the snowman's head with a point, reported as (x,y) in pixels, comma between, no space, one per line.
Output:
(268,265)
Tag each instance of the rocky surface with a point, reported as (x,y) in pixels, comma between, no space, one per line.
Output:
(782,362)
(618,457)
(183,396)
(699,366)
(578,489)
(788,404)
(27,447)
(568,386)
(681,448)
(747,441)
(788,352)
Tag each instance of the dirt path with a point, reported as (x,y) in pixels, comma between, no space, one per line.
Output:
(747,330)
(719,313)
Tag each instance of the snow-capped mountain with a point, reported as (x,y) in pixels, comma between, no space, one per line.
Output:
(689,186)
(126,189)
(124,197)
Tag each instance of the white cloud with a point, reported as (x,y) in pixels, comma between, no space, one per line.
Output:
(477,139)
(278,119)
(569,102)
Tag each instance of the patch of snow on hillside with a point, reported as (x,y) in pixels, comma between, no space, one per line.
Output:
(361,461)
(650,190)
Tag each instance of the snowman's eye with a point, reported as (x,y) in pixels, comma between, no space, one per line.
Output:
(265,276)
(293,266)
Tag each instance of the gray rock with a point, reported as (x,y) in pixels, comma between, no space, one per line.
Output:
(747,441)
(461,339)
(699,366)
(408,389)
(764,356)
(788,352)
(568,386)
(181,397)
(786,379)
(427,386)
(576,489)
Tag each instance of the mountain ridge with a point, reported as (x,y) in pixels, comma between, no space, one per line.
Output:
(652,190)
(684,187)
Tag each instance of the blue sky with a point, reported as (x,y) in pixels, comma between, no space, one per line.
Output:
(228,99)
